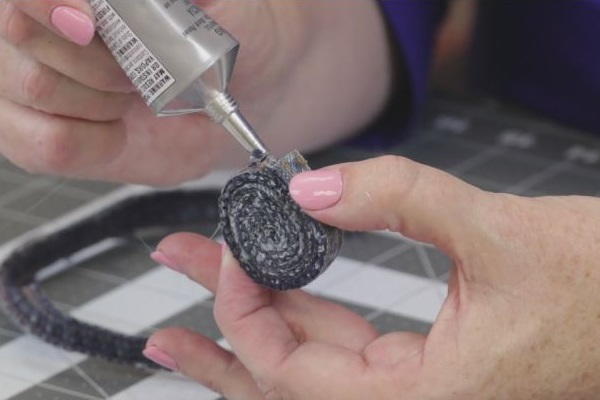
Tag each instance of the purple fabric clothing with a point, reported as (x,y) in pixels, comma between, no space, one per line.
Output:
(413,23)
(541,54)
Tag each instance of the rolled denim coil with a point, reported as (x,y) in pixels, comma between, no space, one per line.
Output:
(277,244)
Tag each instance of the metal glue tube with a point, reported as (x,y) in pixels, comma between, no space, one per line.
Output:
(178,58)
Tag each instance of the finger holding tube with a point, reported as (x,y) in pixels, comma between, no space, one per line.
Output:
(91,65)
(72,19)
(30,83)
(39,142)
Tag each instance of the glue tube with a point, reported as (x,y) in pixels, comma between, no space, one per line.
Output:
(179,59)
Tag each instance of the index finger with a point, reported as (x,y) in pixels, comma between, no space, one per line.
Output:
(71,19)
(282,363)
(256,331)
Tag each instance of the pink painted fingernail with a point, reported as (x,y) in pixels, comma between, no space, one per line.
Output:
(74,24)
(158,356)
(317,190)
(161,258)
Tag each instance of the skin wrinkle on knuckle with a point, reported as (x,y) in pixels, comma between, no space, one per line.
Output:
(14,27)
(225,303)
(389,167)
(298,332)
(239,326)
(56,148)
(39,84)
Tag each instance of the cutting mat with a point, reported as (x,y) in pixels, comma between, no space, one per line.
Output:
(396,284)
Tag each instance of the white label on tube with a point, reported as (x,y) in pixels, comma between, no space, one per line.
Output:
(149,76)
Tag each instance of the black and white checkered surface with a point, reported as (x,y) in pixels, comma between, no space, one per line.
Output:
(394,283)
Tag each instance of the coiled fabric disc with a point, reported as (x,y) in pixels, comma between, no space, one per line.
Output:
(276,243)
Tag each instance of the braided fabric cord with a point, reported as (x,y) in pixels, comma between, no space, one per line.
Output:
(278,246)
(24,302)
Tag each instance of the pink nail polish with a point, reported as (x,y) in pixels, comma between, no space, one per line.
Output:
(162,259)
(317,190)
(74,24)
(155,354)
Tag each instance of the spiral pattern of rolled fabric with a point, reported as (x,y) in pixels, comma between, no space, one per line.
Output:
(277,244)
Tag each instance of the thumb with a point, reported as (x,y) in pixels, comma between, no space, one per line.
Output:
(392,193)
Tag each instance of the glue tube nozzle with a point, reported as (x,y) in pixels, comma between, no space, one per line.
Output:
(224,110)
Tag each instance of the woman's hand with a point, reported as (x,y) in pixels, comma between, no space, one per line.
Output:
(286,343)
(521,321)
(309,72)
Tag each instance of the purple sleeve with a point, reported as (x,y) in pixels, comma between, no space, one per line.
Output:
(413,24)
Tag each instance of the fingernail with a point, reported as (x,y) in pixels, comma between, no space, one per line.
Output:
(317,190)
(158,356)
(74,24)
(161,258)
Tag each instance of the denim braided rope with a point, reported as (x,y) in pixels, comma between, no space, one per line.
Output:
(276,244)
